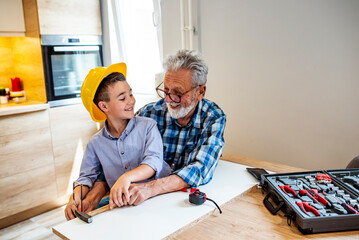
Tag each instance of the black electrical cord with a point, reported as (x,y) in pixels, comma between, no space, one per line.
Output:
(220,211)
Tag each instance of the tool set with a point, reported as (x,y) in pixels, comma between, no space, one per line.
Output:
(318,201)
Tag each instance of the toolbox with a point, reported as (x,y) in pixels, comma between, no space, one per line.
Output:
(317,201)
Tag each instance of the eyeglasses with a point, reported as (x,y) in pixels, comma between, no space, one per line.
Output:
(176,98)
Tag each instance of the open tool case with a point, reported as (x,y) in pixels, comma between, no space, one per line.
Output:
(318,201)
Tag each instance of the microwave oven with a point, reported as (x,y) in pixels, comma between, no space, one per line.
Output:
(67,60)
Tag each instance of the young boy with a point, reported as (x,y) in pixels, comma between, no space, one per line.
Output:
(128,149)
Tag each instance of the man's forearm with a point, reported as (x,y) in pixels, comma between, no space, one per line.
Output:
(140,192)
(167,184)
(98,190)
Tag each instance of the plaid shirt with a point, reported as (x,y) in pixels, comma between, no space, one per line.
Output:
(192,151)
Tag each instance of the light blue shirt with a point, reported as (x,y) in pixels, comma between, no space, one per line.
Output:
(140,143)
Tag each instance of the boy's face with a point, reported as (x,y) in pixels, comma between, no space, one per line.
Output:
(122,102)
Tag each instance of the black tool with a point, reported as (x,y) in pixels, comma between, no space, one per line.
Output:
(286,180)
(352,180)
(257,172)
(87,217)
(83,216)
(198,198)
(345,208)
(349,208)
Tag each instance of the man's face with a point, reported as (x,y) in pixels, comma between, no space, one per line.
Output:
(178,83)
(122,103)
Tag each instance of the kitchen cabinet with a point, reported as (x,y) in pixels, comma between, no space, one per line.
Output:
(69,17)
(40,157)
(11,18)
(27,172)
(71,129)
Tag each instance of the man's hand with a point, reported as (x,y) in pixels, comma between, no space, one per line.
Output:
(71,207)
(89,203)
(140,192)
(119,194)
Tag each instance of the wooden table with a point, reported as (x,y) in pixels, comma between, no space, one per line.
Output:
(246,217)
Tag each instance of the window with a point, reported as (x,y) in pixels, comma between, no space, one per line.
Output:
(133,32)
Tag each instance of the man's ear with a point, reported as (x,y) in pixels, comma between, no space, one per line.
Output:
(103,106)
(202,91)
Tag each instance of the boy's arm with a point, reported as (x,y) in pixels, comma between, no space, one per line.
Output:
(140,173)
(90,169)
(153,151)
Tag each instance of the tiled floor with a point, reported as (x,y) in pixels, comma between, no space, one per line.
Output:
(39,227)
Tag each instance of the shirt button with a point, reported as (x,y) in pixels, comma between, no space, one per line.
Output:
(122,153)
(126,167)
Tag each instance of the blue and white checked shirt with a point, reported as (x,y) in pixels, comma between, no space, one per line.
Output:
(140,143)
(192,151)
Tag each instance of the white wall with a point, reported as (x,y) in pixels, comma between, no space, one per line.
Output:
(285,72)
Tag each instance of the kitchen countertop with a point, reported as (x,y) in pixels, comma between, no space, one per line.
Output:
(16,108)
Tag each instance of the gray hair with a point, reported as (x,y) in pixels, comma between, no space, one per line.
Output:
(185,59)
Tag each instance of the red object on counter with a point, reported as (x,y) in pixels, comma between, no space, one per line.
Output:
(15,84)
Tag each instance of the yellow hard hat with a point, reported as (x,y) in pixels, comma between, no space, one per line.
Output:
(90,85)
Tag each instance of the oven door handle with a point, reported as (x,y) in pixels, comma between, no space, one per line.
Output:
(76,48)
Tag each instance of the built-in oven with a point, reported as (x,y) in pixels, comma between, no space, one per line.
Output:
(67,60)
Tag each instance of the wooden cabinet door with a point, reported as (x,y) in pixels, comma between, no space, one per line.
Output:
(11,18)
(27,173)
(69,17)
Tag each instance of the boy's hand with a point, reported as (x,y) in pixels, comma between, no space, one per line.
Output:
(119,192)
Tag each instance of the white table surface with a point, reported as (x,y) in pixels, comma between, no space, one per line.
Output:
(158,217)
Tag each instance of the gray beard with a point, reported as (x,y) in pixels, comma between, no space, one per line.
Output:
(182,112)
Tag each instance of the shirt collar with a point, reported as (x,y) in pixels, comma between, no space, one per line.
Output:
(130,125)
(196,118)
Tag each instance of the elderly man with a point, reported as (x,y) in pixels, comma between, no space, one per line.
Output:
(191,127)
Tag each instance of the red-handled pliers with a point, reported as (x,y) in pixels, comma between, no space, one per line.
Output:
(320,198)
(301,206)
(303,192)
(287,189)
(311,209)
